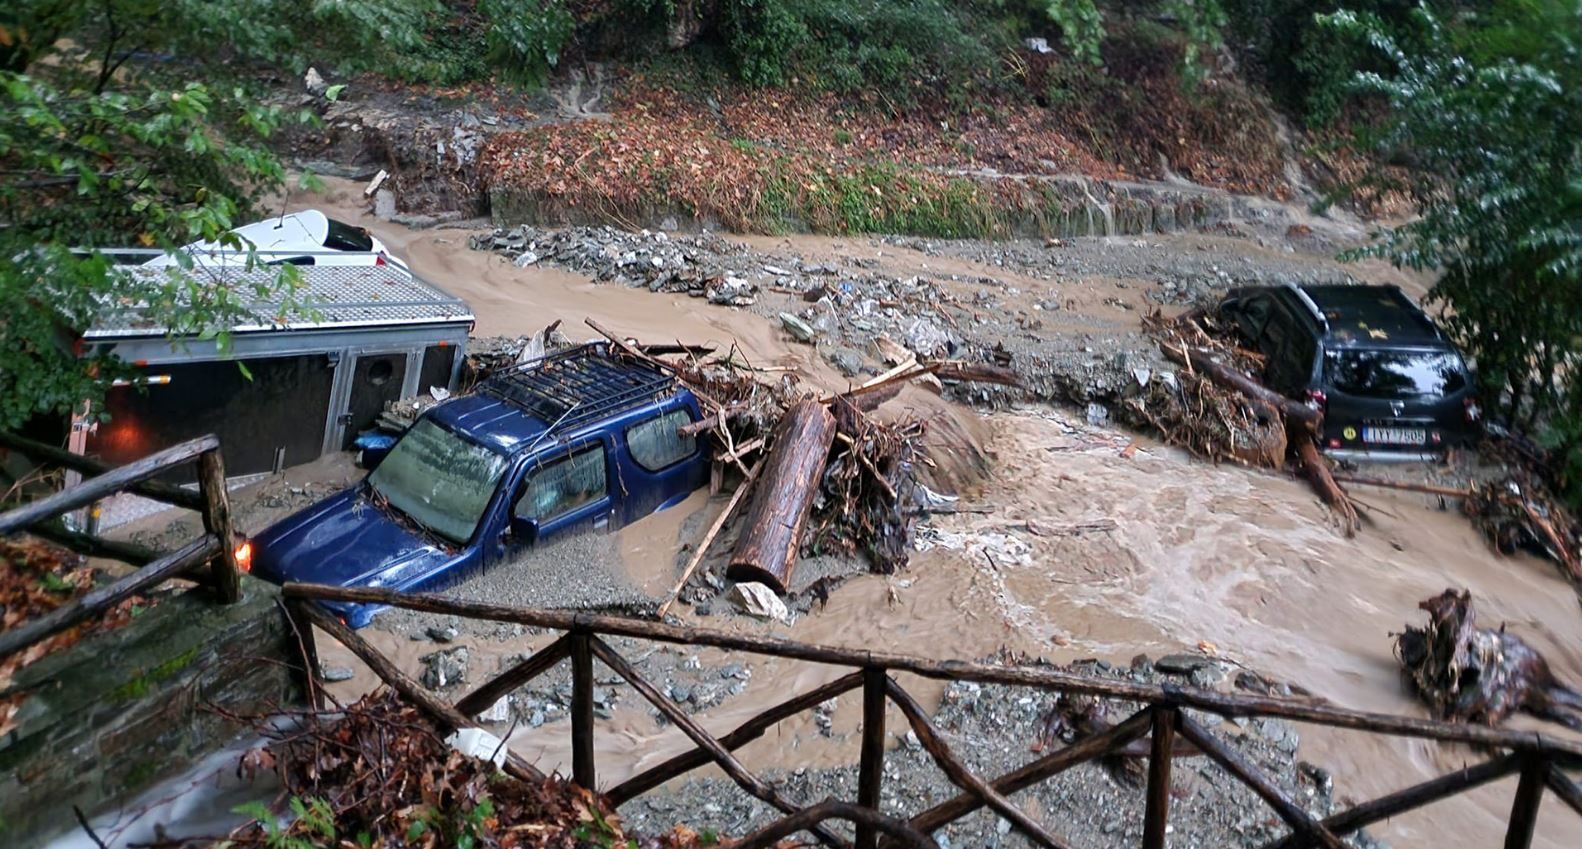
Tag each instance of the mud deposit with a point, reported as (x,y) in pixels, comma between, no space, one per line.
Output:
(1073,551)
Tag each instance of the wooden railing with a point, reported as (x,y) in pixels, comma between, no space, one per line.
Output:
(1538,758)
(214,547)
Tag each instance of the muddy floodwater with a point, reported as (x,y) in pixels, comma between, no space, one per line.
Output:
(1073,551)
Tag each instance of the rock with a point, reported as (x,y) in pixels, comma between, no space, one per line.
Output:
(926,338)
(527,258)
(1142,663)
(1098,414)
(500,711)
(1037,45)
(1323,782)
(441,635)
(1182,664)
(332,674)
(314,82)
(756,599)
(797,327)
(731,292)
(846,360)
(384,204)
(1207,677)
(444,669)
(1279,732)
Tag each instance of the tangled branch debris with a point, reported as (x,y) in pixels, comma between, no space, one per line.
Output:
(1515,513)
(378,773)
(1471,674)
(1215,410)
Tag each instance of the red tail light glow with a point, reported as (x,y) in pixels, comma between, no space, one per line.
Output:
(380,259)
(244,556)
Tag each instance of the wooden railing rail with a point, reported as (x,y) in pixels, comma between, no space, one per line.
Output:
(214,547)
(1540,759)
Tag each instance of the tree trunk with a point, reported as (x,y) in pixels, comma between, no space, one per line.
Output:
(767,548)
(1324,483)
(1294,411)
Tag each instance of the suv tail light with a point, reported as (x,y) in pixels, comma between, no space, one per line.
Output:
(380,259)
(1474,412)
(1318,400)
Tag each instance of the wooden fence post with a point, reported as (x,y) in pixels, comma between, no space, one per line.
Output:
(870,773)
(227,578)
(582,766)
(1157,815)
(1524,809)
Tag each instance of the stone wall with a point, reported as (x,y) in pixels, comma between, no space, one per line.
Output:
(119,711)
(1029,207)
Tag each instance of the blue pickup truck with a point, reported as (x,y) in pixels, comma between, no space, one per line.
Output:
(581,440)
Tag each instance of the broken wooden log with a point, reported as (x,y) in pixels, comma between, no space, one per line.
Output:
(767,548)
(1201,361)
(1426,489)
(976,372)
(708,538)
(1318,475)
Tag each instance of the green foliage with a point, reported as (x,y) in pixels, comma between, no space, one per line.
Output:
(1081,27)
(1495,146)
(525,37)
(314,826)
(158,166)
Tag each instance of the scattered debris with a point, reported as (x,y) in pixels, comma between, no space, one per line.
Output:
(1471,674)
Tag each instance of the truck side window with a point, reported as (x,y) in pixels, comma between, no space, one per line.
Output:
(1252,316)
(563,485)
(656,444)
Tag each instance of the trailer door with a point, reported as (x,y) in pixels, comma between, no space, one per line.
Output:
(376,380)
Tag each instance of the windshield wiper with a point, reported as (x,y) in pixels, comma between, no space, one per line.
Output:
(407,520)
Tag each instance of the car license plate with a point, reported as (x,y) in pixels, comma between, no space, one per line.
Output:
(1395,435)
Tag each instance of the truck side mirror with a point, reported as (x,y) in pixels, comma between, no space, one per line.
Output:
(524,529)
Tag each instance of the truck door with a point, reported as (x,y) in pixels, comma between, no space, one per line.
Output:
(376,380)
(669,465)
(564,491)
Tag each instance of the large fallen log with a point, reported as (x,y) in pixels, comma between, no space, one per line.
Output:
(1201,361)
(767,548)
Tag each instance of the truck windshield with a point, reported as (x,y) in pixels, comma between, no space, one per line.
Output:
(439,479)
(1396,374)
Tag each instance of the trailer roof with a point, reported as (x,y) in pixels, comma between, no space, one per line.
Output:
(341,295)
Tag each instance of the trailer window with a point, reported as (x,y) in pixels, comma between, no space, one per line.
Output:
(439,479)
(345,237)
(563,485)
(657,443)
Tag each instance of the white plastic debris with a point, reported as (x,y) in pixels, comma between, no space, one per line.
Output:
(500,711)
(440,393)
(478,743)
(757,599)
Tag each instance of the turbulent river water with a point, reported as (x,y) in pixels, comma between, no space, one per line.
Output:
(1076,552)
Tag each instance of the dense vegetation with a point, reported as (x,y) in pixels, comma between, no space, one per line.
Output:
(132,121)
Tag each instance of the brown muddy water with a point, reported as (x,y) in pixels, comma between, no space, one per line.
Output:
(1245,560)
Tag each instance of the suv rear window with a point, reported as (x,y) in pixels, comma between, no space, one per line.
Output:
(657,443)
(345,237)
(1395,374)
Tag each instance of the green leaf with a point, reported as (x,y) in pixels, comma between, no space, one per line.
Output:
(55,584)
(333,93)
(416,829)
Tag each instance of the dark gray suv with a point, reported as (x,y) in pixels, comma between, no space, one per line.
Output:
(1387,380)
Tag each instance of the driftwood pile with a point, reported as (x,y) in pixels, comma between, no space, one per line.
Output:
(1471,674)
(1215,409)
(823,474)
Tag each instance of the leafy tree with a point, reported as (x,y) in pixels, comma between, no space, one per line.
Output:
(1495,147)
(105,145)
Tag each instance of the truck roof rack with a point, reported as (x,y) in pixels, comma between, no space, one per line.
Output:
(578,385)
